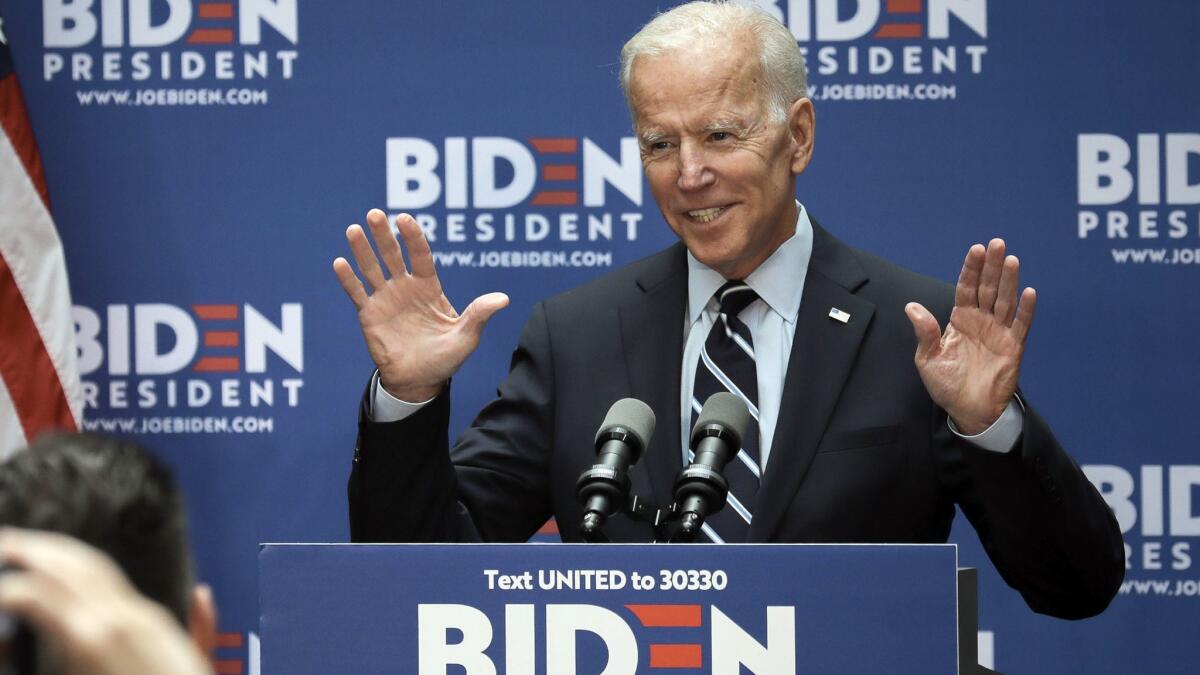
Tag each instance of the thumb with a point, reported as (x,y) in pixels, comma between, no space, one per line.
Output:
(925,327)
(477,314)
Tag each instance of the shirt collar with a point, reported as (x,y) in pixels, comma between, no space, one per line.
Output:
(779,280)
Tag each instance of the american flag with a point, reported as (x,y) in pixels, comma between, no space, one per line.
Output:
(39,381)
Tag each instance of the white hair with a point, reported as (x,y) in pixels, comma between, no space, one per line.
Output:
(784,77)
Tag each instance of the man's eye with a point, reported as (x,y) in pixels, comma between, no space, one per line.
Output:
(660,145)
(719,135)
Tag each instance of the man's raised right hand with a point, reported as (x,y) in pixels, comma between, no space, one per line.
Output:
(413,333)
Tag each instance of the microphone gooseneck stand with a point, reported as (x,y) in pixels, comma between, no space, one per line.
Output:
(700,489)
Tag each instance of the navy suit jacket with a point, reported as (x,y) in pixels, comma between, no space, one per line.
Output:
(860,453)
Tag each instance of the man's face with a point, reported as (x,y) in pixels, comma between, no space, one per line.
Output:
(722,172)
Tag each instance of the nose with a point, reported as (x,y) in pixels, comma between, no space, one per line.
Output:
(694,172)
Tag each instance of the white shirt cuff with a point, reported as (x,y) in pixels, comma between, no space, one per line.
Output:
(1004,432)
(387,408)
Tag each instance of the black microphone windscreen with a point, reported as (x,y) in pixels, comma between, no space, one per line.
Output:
(727,410)
(633,415)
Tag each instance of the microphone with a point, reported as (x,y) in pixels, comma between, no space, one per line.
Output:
(604,488)
(701,488)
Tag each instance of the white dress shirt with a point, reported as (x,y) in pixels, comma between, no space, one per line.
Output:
(779,283)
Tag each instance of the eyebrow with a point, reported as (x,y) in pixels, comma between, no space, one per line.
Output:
(725,125)
(732,126)
(652,136)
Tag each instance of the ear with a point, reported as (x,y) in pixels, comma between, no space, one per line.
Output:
(202,620)
(802,124)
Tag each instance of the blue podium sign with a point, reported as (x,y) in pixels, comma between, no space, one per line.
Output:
(616,609)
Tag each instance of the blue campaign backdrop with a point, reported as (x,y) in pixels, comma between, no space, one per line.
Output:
(204,159)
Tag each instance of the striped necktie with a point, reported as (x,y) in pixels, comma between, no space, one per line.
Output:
(727,364)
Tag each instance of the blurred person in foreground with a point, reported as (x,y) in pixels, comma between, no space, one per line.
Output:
(87,616)
(93,614)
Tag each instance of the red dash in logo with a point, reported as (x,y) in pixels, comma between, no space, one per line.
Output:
(902,29)
(229,666)
(903,6)
(221,338)
(211,36)
(221,312)
(229,641)
(676,656)
(899,30)
(556,198)
(554,145)
(217,364)
(667,616)
(215,10)
(560,172)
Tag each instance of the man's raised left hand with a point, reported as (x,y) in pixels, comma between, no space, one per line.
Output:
(971,369)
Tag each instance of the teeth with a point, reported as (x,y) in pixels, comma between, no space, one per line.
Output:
(706,215)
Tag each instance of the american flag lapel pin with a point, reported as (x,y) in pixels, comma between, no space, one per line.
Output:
(838,315)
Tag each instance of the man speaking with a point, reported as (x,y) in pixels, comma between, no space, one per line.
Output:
(870,422)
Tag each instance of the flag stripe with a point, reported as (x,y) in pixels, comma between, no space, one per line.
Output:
(30,246)
(25,365)
(12,436)
(16,126)
(37,337)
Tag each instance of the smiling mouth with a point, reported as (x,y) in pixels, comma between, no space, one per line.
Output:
(706,215)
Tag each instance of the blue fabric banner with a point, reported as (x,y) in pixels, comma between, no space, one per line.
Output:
(205,158)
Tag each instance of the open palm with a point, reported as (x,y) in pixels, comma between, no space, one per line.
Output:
(412,332)
(971,369)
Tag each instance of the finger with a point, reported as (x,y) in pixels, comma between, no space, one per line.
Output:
(385,241)
(1006,293)
(365,257)
(350,282)
(32,599)
(34,550)
(989,278)
(1025,310)
(477,314)
(48,571)
(85,623)
(419,253)
(966,292)
(202,619)
(58,558)
(925,327)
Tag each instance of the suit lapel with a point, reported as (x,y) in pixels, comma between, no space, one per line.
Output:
(652,337)
(823,353)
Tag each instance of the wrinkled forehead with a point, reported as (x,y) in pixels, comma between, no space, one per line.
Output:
(694,78)
(734,53)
